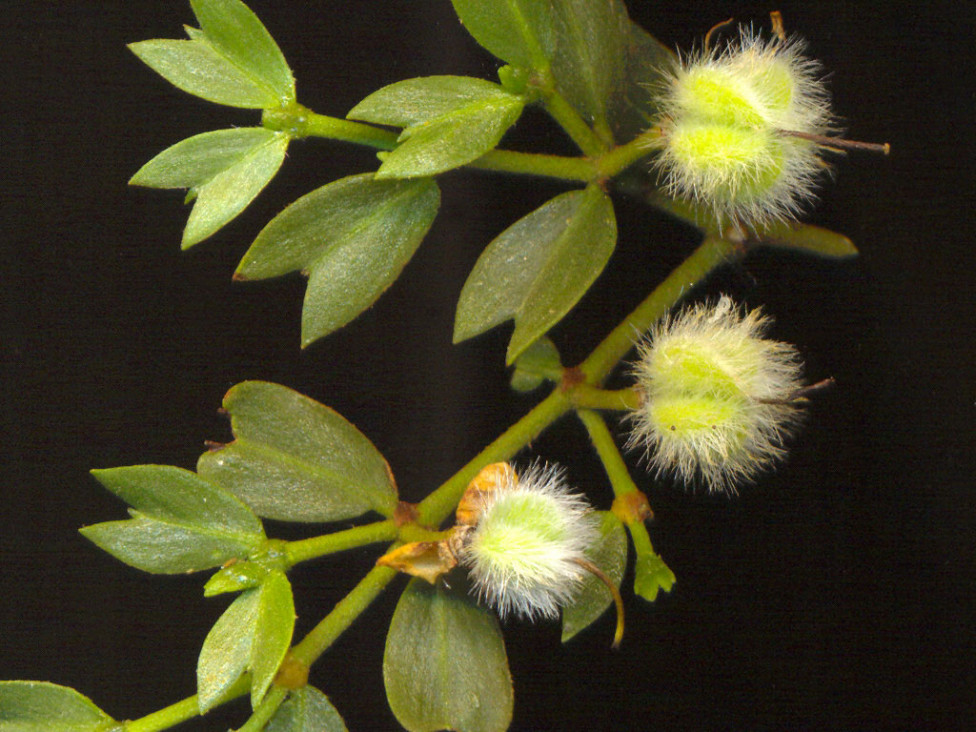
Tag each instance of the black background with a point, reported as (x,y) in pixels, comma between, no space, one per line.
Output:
(837,593)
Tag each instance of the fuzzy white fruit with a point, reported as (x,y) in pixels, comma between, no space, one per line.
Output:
(526,548)
(717,396)
(729,122)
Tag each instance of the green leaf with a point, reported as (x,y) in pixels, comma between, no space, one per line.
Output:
(632,108)
(538,362)
(239,576)
(226,650)
(445,665)
(517,31)
(590,53)
(198,68)
(808,239)
(232,60)
(294,459)
(253,634)
(238,34)
(161,547)
(229,192)
(38,706)
(449,120)
(181,522)
(537,269)
(224,170)
(273,628)
(414,101)
(610,555)
(451,141)
(651,574)
(353,237)
(192,162)
(306,710)
(169,493)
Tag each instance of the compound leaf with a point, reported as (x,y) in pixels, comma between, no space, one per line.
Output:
(352,237)
(180,522)
(236,31)
(294,459)
(253,634)
(224,170)
(537,269)
(449,120)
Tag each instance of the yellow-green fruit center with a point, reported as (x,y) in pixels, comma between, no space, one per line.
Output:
(686,417)
(715,95)
(521,525)
(685,368)
(732,163)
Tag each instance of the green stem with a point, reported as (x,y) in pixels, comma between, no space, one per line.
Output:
(342,616)
(651,573)
(641,539)
(299,122)
(710,254)
(585,396)
(609,453)
(620,158)
(581,170)
(438,505)
(317,546)
(266,709)
(181,711)
(574,125)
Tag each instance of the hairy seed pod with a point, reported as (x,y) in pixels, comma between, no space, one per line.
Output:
(717,396)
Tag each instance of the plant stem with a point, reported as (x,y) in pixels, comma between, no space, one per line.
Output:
(573,124)
(585,396)
(181,711)
(609,453)
(438,505)
(622,157)
(317,546)
(342,616)
(266,709)
(651,573)
(581,170)
(299,122)
(711,253)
